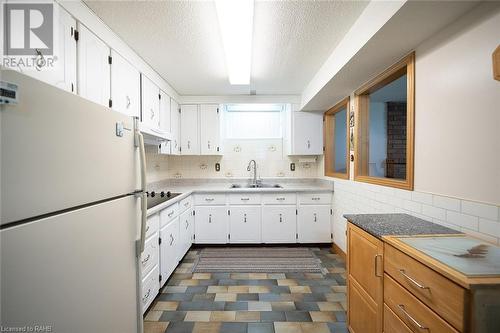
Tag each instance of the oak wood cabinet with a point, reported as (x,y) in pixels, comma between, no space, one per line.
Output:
(365,281)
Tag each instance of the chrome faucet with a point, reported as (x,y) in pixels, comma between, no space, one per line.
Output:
(254,171)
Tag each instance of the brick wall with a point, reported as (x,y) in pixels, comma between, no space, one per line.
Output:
(396,140)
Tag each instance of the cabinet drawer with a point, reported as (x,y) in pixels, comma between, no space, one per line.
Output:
(168,214)
(210,199)
(245,199)
(392,323)
(150,287)
(411,311)
(149,257)
(279,199)
(186,203)
(437,292)
(315,198)
(152,225)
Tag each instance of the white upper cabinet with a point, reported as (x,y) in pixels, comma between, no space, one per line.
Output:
(175,124)
(190,139)
(125,86)
(165,113)
(94,75)
(150,108)
(62,73)
(304,135)
(210,129)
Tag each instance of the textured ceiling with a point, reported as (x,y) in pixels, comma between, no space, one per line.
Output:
(181,41)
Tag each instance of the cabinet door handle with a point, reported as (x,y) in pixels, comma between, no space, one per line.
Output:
(210,218)
(410,317)
(175,144)
(376,265)
(208,144)
(170,214)
(39,59)
(245,218)
(315,217)
(127,102)
(186,204)
(145,297)
(171,239)
(189,144)
(412,280)
(152,114)
(308,144)
(145,260)
(147,228)
(187,224)
(281,218)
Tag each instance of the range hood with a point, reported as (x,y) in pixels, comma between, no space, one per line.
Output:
(152,136)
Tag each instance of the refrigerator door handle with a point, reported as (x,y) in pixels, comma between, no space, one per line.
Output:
(144,205)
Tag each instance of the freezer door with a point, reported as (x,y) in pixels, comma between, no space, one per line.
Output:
(74,272)
(60,151)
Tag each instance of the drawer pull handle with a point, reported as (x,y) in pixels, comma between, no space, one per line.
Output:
(209,199)
(145,260)
(315,217)
(376,265)
(186,204)
(245,199)
(280,199)
(413,320)
(170,214)
(210,218)
(171,239)
(412,280)
(245,218)
(315,199)
(147,228)
(145,297)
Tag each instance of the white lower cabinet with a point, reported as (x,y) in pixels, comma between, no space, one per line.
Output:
(169,242)
(313,224)
(245,224)
(279,224)
(211,225)
(186,226)
(150,288)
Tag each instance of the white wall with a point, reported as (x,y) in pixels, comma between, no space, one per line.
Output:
(457,136)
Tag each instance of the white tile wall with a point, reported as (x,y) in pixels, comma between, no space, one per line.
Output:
(476,219)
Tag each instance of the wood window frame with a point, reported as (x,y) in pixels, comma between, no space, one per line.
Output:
(329,136)
(407,66)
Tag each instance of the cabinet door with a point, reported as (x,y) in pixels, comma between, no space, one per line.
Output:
(165,113)
(62,72)
(365,280)
(175,124)
(244,224)
(211,224)
(94,75)
(125,86)
(209,129)
(169,242)
(279,224)
(150,103)
(190,141)
(313,224)
(186,236)
(307,133)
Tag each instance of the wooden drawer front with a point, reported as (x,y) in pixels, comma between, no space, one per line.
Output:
(168,214)
(186,203)
(279,199)
(150,287)
(315,198)
(210,199)
(392,323)
(245,199)
(149,257)
(411,311)
(152,225)
(437,292)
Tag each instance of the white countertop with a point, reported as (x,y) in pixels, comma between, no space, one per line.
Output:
(224,187)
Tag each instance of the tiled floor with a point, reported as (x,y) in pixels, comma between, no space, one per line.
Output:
(251,302)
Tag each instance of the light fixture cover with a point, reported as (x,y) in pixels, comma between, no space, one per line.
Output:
(236,26)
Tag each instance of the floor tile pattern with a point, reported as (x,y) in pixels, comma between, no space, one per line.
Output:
(251,302)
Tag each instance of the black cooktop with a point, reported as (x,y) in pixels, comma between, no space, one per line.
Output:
(156,198)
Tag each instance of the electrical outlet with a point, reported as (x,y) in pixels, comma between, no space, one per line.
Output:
(292,166)
(217,167)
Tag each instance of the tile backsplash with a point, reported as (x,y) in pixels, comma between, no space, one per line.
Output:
(269,154)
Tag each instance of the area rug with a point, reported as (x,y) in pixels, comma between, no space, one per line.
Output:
(266,260)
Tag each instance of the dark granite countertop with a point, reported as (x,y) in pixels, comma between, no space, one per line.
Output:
(380,225)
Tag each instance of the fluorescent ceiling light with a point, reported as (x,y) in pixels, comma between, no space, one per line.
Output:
(236,27)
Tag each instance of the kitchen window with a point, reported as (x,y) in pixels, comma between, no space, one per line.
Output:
(384,144)
(254,121)
(337,140)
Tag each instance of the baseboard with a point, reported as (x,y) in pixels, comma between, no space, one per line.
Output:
(336,249)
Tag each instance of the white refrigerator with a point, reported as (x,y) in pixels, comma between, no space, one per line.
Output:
(72,213)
